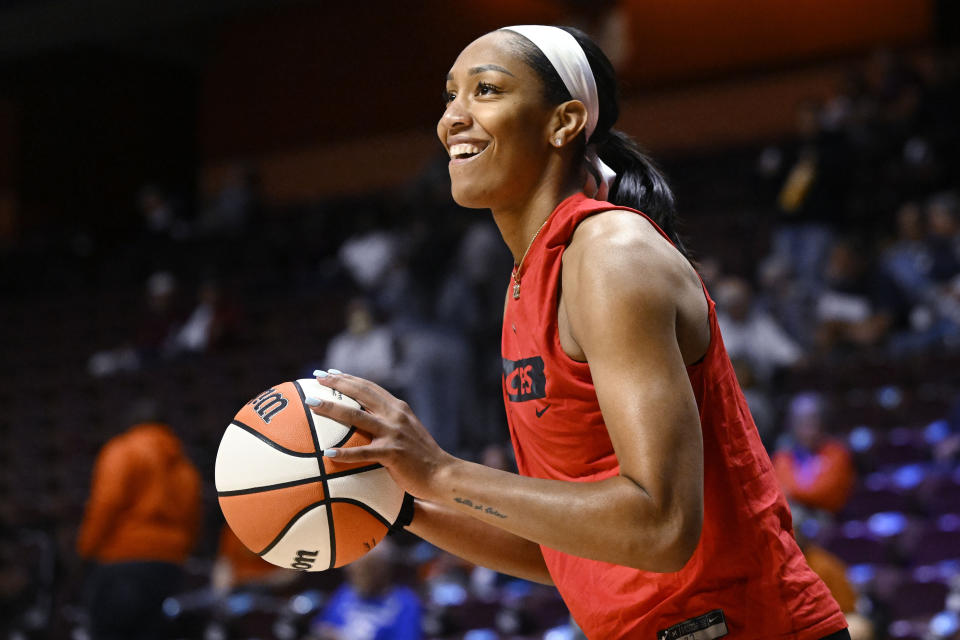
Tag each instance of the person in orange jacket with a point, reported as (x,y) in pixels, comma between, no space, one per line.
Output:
(817,471)
(141,521)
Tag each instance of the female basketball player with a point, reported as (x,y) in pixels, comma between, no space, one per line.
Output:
(644,493)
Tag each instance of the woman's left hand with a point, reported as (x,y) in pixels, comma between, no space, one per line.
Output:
(400,442)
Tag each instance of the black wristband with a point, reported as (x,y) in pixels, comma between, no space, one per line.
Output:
(405,517)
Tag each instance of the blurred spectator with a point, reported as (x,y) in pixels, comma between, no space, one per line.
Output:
(751,333)
(426,362)
(161,318)
(470,293)
(944,238)
(155,334)
(160,225)
(815,470)
(237,567)
(761,407)
(927,273)
(157,212)
(369,254)
(365,347)
(812,192)
(141,521)
(213,323)
(165,330)
(787,298)
(908,260)
(234,206)
(437,369)
(470,303)
(859,306)
(434,359)
(370,605)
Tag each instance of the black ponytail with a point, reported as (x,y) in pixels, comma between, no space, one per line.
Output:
(639,184)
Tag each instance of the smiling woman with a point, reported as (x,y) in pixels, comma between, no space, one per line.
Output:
(644,491)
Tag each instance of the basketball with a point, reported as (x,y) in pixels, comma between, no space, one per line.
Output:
(283,499)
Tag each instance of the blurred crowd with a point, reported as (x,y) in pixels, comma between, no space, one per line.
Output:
(864,234)
(855,226)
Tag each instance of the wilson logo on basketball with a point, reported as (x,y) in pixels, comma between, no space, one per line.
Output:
(268,404)
(304,560)
(524,379)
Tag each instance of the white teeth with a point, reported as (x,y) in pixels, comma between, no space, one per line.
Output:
(460,150)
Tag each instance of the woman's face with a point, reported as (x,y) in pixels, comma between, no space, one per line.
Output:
(496,125)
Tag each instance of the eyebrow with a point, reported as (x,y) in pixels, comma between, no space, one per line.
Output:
(484,67)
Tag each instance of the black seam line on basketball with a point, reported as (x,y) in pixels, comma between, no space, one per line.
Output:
(278,447)
(342,442)
(268,487)
(317,453)
(365,507)
(328,503)
(350,472)
(332,530)
(323,472)
(289,524)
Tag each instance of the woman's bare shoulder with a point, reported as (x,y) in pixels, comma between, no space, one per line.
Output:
(626,248)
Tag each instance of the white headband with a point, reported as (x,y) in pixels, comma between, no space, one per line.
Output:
(570,62)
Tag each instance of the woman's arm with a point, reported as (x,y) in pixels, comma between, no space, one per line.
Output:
(621,289)
(478,542)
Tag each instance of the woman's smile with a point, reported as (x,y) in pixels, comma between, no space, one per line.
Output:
(464,152)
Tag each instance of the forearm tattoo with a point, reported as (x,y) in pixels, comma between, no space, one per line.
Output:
(467,502)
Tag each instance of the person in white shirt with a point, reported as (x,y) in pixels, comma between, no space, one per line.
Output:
(752,334)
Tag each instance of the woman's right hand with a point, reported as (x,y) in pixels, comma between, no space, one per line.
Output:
(400,442)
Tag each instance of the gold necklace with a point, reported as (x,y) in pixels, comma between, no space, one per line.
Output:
(516,269)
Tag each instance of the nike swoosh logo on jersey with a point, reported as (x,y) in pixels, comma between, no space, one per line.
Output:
(540,412)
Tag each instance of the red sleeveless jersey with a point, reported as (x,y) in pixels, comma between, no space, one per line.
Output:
(747,573)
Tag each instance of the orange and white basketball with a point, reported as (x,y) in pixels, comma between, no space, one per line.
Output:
(283,499)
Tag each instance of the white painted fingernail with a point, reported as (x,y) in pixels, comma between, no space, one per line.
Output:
(334,371)
(330,453)
(312,402)
(319,373)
